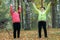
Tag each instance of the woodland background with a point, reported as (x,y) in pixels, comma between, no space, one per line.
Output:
(29,23)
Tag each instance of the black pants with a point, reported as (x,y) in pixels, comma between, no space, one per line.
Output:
(16,28)
(42,24)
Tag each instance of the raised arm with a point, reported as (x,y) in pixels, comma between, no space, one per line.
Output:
(11,9)
(36,8)
(48,8)
(19,9)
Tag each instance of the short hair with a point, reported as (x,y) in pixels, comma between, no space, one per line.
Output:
(28,0)
(43,8)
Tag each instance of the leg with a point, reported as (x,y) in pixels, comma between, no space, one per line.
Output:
(18,30)
(39,29)
(45,30)
(14,31)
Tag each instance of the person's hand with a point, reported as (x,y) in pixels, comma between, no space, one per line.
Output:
(11,4)
(19,9)
(19,6)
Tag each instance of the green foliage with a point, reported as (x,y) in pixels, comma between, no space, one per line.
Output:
(4,11)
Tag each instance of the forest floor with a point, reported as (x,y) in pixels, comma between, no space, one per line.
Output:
(53,34)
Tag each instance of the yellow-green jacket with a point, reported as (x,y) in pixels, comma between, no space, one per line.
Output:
(42,15)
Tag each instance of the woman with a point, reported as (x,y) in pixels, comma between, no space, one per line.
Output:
(42,19)
(16,21)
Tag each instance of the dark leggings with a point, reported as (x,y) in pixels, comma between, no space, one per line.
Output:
(16,28)
(42,24)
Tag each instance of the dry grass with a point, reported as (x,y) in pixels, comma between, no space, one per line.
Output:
(53,34)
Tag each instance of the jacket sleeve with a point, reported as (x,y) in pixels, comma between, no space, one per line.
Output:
(48,8)
(19,9)
(36,8)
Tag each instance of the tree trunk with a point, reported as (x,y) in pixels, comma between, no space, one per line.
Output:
(54,11)
(27,15)
(58,14)
(22,18)
(0,2)
(42,3)
(59,5)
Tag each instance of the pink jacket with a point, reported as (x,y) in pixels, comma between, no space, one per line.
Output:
(15,15)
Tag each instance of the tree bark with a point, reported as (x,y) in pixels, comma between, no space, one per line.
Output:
(58,9)
(54,11)
(27,15)
(0,2)
(42,3)
(22,18)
